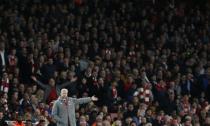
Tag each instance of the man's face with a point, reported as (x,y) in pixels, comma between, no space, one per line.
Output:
(130,107)
(64,93)
(50,61)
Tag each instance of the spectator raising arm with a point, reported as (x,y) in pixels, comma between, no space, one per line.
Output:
(44,86)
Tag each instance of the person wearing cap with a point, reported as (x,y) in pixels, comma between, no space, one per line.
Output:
(63,110)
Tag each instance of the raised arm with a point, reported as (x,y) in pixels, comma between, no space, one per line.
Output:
(39,82)
(68,82)
(65,84)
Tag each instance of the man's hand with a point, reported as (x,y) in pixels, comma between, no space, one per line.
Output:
(33,78)
(93,98)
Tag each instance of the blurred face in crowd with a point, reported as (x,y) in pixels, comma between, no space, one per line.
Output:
(34,88)
(82,121)
(15,95)
(143,120)
(103,73)
(34,99)
(128,120)
(26,96)
(15,81)
(21,87)
(130,79)
(105,109)
(171,95)
(106,123)
(41,59)
(24,52)
(52,82)
(118,123)
(99,120)
(66,61)
(71,75)
(16,72)
(135,100)
(50,61)
(108,118)
(135,72)
(63,75)
(29,90)
(130,107)
(84,80)
(117,73)
(1,115)
(5,76)
(133,124)
(99,124)
(101,81)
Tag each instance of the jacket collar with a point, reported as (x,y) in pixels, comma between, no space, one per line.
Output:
(62,100)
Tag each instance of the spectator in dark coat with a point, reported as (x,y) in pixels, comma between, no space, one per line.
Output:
(83,87)
(171,103)
(188,86)
(71,77)
(204,83)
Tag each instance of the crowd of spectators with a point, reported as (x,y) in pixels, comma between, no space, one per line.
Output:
(148,63)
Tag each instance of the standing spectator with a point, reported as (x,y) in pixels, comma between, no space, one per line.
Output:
(26,65)
(13,61)
(74,83)
(47,70)
(188,86)
(83,87)
(111,94)
(129,87)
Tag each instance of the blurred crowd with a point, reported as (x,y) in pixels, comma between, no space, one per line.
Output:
(147,61)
